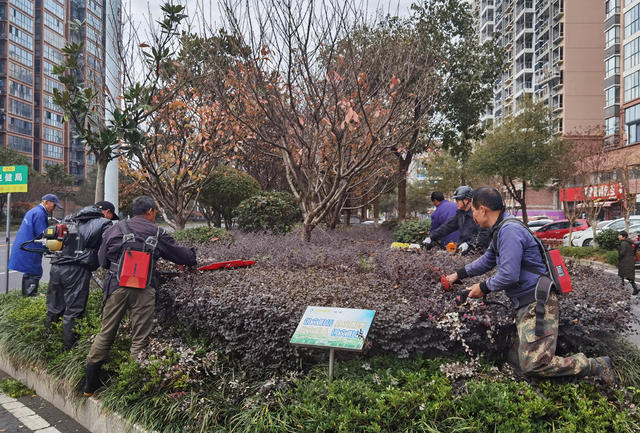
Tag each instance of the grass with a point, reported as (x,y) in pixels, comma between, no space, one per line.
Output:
(597,254)
(15,388)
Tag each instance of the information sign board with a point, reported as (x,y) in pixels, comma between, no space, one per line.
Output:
(13,178)
(338,328)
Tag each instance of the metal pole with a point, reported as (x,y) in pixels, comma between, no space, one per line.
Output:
(8,239)
(331,358)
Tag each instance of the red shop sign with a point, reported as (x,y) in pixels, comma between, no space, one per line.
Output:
(606,191)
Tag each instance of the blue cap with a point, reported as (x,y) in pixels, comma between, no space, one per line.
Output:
(52,198)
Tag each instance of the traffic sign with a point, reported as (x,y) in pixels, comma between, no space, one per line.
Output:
(13,178)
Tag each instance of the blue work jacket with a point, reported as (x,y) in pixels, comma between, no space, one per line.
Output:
(443,212)
(34,223)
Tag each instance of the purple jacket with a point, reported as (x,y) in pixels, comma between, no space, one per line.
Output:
(516,247)
(446,210)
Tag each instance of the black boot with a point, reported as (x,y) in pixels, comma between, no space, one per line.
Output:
(30,286)
(92,379)
(68,336)
(635,288)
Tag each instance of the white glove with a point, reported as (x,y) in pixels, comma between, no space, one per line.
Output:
(463,248)
(427,243)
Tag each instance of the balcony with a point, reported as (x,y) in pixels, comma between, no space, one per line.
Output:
(544,47)
(557,11)
(547,74)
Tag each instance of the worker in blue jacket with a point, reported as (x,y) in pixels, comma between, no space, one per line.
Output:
(445,209)
(33,225)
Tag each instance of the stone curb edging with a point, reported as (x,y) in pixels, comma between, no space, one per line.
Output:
(89,412)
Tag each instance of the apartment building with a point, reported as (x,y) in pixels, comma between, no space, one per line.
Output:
(554,52)
(32,36)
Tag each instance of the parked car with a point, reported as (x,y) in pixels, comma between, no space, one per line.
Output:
(536,224)
(584,239)
(557,229)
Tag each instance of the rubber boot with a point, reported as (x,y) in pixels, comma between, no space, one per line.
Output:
(30,285)
(68,336)
(92,379)
(635,288)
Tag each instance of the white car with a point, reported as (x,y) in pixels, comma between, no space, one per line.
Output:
(536,224)
(585,238)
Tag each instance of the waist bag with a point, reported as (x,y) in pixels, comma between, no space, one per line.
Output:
(556,278)
(136,262)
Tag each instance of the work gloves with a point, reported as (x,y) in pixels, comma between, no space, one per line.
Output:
(463,248)
(428,244)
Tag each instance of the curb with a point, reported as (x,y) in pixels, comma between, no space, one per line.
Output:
(87,412)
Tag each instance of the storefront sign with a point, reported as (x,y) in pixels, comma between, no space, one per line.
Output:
(607,191)
(339,328)
(13,178)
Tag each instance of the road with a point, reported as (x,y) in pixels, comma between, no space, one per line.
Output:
(15,278)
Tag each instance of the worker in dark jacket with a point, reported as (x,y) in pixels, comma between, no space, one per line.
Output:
(627,261)
(521,274)
(444,210)
(71,270)
(29,263)
(119,299)
(471,236)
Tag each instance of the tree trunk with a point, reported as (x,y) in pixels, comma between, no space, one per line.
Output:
(306,232)
(228,222)
(523,203)
(347,218)
(334,218)
(363,213)
(101,168)
(403,169)
(376,211)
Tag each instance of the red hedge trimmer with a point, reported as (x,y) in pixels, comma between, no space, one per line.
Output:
(227,265)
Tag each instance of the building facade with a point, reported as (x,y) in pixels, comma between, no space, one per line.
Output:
(32,36)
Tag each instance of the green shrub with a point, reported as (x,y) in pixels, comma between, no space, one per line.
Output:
(15,388)
(226,189)
(275,212)
(412,231)
(608,240)
(610,257)
(578,252)
(203,234)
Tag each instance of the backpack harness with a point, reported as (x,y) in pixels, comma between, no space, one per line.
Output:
(556,278)
(135,267)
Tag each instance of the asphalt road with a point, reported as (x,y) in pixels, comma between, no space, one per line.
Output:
(15,278)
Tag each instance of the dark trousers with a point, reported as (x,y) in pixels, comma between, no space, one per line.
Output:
(142,303)
(30,284)
(67,297)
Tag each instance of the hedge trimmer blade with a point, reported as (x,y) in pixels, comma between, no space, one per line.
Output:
(227,265)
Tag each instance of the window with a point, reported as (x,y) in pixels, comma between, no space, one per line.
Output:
(50,84)
(47,102)
(21,144)
(52,151)
(94,63)
(47,68)
(631,86)
(632,53)
(20,55)
(20,126)
(20,73)
(53,119)
(25,5)
(54,23)
(632,122)
(95,7)
(612,66)
(55,8)
(20,90)
(611,96)
(92,34)
(51,134)
(611,125)
(93,48)
(20,108)
(24,21)
(54,39)
(21,37)
(94,22)
(52,54)
(632,21)
(612,37)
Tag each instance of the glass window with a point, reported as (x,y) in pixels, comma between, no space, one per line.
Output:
(611,125)
(52,151)
(92,34)
(94,22)
(50,84)
(52,54)
(21,144)
(20,90)
(631,86)
(21,37)
(47,102)
(611,96)
(20,55)
(632,21)
(20,126)
(612,37)
(54,23)
(20,108)
(20,72)
(55,7)
(53,119)
(93,48)
(24,21)
(632,53)
(51,134)
(53,38)
(94,63)
(25,5)
(612,66)
(95,7)
(47,68)
(632,122)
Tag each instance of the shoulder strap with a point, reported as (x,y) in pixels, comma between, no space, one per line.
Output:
(541,246)
(127,236)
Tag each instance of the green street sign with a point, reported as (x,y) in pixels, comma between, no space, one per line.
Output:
(13,178)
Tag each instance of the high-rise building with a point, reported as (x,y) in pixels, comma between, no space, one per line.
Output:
(554,51)
(32,35)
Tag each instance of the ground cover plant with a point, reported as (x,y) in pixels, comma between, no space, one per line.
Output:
(591,253)
(219,358)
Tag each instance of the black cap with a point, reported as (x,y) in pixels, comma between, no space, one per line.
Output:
(107,205)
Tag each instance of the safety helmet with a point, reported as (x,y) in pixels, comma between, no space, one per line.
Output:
(463,192)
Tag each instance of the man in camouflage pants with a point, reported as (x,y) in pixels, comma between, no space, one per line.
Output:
(521,269)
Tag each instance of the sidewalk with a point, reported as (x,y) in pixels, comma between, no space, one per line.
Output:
(33,414)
